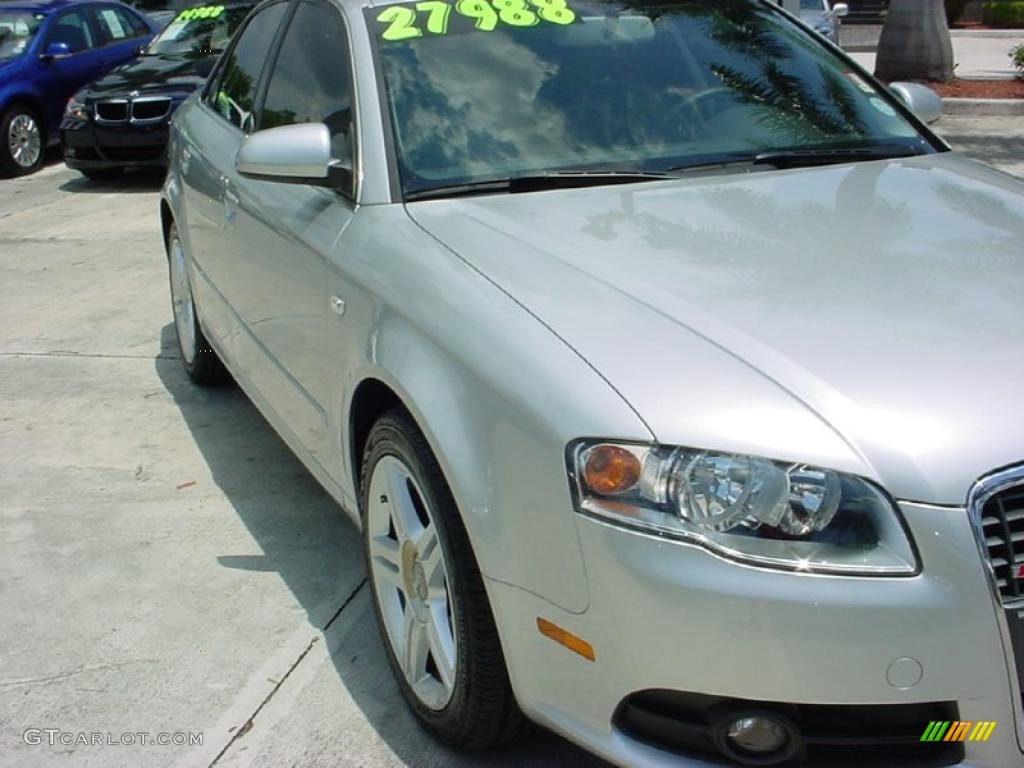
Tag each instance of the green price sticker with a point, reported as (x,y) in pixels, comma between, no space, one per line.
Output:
(405,22)
(204,12)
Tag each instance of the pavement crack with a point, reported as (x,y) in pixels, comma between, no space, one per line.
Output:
(248,724)
(69,673)
(344,605)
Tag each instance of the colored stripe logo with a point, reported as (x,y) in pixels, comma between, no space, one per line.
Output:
(958,730)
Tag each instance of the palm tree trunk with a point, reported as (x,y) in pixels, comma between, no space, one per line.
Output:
(915,42)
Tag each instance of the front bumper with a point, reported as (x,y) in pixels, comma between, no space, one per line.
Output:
(667,615)
(89,145)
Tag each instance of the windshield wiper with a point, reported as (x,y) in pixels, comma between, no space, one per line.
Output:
(537,182)
(780,158)
(802,158)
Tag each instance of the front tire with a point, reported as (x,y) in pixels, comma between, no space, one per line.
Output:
(22,141)
(197,356)
(428,594)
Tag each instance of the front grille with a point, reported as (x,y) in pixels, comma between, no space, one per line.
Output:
(112,111)
(1002,522)
(150,109)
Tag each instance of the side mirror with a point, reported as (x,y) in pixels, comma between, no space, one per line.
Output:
(56,51)
(839,10)
(293,154)
(921,100)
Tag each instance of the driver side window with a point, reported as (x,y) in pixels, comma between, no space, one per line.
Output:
(72,29)
(312,81)
(233,96)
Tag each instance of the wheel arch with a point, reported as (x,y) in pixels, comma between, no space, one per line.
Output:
(371,399)
(485,448)
(166,219)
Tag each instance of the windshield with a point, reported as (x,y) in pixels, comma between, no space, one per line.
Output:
(16,32)
(811,5)
(490,89)
(202,30)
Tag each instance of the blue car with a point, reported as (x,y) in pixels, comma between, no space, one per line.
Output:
(48,50)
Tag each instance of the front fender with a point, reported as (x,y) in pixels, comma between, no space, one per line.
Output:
(18,89)
(497,394)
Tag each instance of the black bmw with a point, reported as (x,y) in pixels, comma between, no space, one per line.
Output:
(121,120)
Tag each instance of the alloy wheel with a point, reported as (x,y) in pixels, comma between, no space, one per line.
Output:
(181,300)
(411,582)
(24,140)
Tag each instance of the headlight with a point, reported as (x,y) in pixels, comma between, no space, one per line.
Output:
(75,109)
(759,511)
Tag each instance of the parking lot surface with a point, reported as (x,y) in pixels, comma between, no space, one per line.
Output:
(168,567)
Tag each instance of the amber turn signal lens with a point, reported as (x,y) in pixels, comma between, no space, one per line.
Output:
(566,638)
(610,470)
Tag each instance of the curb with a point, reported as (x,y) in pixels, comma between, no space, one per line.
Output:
(984,107)
(992,34)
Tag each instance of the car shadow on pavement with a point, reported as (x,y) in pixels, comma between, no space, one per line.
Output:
(309,542)
(145,180)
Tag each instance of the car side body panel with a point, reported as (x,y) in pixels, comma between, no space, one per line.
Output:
(403,294)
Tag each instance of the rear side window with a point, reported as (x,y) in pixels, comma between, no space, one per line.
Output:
(311,81)
(235,95)
(114,25)
(138,26)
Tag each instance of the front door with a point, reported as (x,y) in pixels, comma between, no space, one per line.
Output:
(282,233)
(84,62)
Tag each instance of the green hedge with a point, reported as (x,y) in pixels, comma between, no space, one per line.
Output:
(1004,13)
(955,9)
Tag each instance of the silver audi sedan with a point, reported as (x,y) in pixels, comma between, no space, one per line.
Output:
(670,365)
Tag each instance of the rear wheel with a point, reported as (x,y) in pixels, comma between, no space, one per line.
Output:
(429,597)
(22,141)
(197,356)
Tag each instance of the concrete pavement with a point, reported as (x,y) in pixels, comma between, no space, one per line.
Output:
(998,141)
(979,54)
(167,565)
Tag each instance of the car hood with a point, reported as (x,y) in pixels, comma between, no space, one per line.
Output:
(154,74)
(866,316)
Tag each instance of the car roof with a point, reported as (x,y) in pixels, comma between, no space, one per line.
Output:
(39,6)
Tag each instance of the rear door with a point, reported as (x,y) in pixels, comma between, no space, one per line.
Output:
(209,136)
(121,33)
(279,241)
